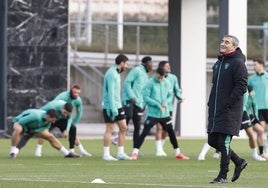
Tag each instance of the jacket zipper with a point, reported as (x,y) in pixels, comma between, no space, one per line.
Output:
(216,95)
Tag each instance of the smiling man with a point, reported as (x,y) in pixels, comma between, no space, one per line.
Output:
(226,104)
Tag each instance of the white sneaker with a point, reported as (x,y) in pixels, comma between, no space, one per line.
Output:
(108,158)
(216,155)
(160,153)
(264,155)
(258,158)
(85,153)
(201,157)
(123,156)
(38,153)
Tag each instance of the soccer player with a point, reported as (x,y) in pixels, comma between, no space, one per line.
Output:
(156,95)
(36,122)
(259,83)
(175,92)
(113,111)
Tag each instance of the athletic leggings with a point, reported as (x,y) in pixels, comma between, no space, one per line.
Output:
(135,113)
(167,126)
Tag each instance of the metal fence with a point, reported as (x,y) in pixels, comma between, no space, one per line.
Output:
(149,38)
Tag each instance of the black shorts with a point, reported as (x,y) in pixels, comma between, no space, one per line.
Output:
(165,122)
(263,115)
(246,122)
(121,115)
(253,120)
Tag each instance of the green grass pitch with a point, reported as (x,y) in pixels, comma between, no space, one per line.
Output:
(53,170)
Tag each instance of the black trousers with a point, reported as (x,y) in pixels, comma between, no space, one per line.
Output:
(135,113)
(221,142)
(61,124)
(166,123)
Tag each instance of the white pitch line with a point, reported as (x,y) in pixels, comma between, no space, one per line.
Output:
(117,183)
(128,164)
(60,164)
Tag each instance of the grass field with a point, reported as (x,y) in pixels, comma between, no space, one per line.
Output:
(53,170)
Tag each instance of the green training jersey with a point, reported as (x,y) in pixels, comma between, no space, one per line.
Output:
(133,85)
(155,94)
(174,89)
(32,120)
(111,91)
(259,83)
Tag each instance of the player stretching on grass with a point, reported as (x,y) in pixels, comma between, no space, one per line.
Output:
(69,128)
(36,122)
(66,126)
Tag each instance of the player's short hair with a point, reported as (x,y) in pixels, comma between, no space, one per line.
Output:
(162,63)
(75,86)
(52,113)
(235,40)
(68,107)
(146,59)
(120,58)
(259,61)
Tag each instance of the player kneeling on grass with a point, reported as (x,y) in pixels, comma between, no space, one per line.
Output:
(36,122)
(155,96)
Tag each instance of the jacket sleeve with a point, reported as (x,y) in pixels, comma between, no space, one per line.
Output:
(128,84)
(111,95)
(79,112)
(177,89)
(69,122)
(240,83)
(146,93)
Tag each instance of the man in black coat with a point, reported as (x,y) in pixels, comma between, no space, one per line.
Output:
(225,105)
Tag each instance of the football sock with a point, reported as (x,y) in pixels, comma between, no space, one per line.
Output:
(120,150)
(64,151)
(261,150)
(205,149)
(106,150)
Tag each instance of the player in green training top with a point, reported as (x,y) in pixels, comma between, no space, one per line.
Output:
(175,91)
(259,83)
(36,122)
(113,111)
(64,114)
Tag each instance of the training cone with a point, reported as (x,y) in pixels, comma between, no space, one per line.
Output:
(97,181)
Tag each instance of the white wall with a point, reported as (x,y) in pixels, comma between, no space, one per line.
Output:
(238,22)
(193,67)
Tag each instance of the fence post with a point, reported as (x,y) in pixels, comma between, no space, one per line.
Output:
(265,35)
(137,44)
(106,50)
(3,66)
